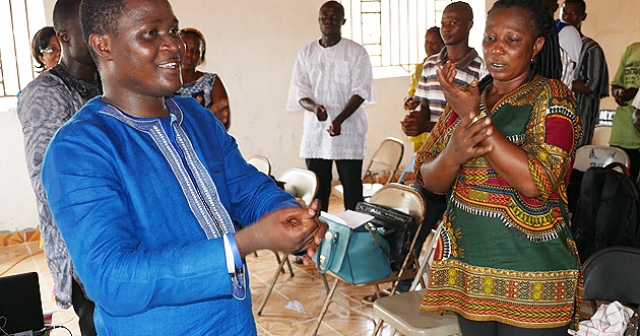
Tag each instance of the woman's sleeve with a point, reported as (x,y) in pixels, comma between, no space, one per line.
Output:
(436,141)
(552,138)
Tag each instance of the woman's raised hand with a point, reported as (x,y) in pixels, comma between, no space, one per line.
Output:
(463,102)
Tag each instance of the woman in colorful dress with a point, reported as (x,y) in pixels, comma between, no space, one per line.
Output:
(502,151)
(206,88)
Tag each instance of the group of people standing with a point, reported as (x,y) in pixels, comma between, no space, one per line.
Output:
(142,230)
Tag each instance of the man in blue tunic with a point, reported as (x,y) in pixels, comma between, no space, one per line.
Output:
(145,189)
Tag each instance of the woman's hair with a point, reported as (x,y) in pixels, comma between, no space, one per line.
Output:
(435,30)
(39,43)
(547,62)
(198,34)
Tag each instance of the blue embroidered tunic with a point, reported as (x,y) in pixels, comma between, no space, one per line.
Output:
(141,204)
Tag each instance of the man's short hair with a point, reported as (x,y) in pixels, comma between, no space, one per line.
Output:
(100,16)
(336,4)
(581,3)
(61,13)
(466,9)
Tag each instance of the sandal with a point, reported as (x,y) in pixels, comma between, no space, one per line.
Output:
(370,299)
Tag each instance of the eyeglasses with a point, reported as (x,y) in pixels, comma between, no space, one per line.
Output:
(49,51)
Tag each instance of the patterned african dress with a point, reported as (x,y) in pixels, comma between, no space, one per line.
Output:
(502,256)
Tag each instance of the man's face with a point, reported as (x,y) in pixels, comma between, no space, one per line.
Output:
(148,50)
(455,26)
(76,44)
(573,14)
(331,19)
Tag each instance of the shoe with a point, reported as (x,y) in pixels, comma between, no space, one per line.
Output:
(370,299)
(298,261)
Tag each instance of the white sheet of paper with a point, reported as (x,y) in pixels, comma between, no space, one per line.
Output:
(352,219)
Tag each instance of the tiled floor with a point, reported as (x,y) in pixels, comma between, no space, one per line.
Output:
(305,288)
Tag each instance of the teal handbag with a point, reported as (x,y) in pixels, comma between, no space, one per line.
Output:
(356,256)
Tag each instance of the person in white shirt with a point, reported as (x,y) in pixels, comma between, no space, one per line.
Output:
(332,81)
(570,43)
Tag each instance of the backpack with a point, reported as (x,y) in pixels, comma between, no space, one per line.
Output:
(607,210)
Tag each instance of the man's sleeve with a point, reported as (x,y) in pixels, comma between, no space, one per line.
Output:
(362,78)
(41,111)
(300,86)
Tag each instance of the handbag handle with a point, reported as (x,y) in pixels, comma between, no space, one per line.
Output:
(374,230)
(334,242)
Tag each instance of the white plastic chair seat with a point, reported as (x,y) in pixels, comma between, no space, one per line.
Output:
(414,321)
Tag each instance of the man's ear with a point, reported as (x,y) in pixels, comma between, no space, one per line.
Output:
(63,36)
(343,22)
(584,16)
(101,46)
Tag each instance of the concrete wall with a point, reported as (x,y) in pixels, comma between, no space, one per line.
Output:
(252,45)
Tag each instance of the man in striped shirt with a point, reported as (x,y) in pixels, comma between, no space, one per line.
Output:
(429,101)
(591,79)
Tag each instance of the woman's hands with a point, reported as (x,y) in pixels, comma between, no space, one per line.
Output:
(463,102)
(466,142)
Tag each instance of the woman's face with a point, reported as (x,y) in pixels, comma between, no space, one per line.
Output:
(193,52)
(51,54)
(509,44)
(433,43)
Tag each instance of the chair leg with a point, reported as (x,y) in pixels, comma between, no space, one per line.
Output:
(278,259)
(324,281)
(325,307)
(378,327)
(286,258)
(271,285)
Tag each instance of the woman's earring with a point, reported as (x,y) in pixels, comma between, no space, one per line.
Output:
(533,59)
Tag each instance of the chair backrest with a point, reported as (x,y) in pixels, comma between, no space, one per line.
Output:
(601,135)
(407,169)
(261,163)
(599,156)
(396,195)
(301,183)
(612,274)
(385,159)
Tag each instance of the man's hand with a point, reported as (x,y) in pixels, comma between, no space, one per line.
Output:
(335,128)
(411,104)
(321,112)
(287,230)
(414,124)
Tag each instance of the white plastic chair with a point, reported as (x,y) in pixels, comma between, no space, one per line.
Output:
(601,135)
(385,161)
(302,184)
(261,163)
(402,311)
(598,156)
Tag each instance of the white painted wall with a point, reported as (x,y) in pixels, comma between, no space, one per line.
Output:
(252,45)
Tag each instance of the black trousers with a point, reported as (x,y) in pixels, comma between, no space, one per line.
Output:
(350,174)
(84,309)
(474,328)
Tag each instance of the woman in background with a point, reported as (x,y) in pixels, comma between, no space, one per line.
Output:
(45,48)
(206,88)
(502,149)
(433,44)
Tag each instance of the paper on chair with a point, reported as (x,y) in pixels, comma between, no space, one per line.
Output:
(352,219)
